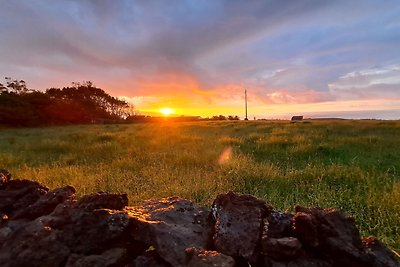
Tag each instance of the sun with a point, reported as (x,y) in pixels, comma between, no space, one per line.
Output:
(167,111)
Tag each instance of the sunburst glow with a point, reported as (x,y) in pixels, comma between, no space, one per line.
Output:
(167,111)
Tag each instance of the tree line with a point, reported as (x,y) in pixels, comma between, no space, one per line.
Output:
(223,118)
(75,104)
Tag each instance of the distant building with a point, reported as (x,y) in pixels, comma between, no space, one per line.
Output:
(297,118)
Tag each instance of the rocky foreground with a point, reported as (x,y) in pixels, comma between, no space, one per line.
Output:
(39,227)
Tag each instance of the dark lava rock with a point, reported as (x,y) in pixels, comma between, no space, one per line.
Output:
(149,259)
(91,232)
(382,256)
(50,240)
(283,248)
(170,225)
(332,234)
(305,229)
(46,203)
(19,194)
(31,244)
(5,177)
(277,224)
(204,258)
(41,228)
(103,200)
(112,257)
(238,224)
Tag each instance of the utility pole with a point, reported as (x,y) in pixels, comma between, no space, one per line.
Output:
(245,103)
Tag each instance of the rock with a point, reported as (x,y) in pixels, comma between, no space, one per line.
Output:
(170,225)
(87,231)
(149,259)
(92,232)
(238,224)
(89,235)
(112,257)
(278,224)
(5,233)
(41,228)
(203,258)
(283,248)
(32,244)
(381,255)
(46,203)
(5,177)
(331,233)
(103,200)
(19,194)
(276,240)
(305,229)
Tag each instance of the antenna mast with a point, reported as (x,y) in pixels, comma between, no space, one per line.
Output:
(245,103)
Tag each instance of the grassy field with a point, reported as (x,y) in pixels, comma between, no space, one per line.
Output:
(350,165)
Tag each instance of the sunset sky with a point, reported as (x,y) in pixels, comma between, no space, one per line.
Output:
(313,58)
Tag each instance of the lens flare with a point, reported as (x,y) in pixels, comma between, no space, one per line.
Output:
(225,155)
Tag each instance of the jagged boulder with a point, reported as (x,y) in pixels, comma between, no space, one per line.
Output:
(238,224)
(19,194)
(305,228)
(170,225)
(380,254)
(93,232)
(45,204)
(74,233)
(277,224)
(332,233)
(102,200)
(88,231)
(31,244)
(77,235)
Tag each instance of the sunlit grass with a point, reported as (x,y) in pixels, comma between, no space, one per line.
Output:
(350,165)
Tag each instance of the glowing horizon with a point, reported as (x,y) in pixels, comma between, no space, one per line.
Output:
(385,108)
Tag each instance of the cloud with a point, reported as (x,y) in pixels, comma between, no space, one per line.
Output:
(307,96)
(206,52)
(383,82)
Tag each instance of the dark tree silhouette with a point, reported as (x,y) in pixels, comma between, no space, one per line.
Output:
(15,86)
(79,103)
(218,118)
(233,118)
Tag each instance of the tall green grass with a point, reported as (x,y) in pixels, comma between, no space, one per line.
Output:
(350,165)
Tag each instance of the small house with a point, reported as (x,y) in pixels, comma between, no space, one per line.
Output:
(297,118)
